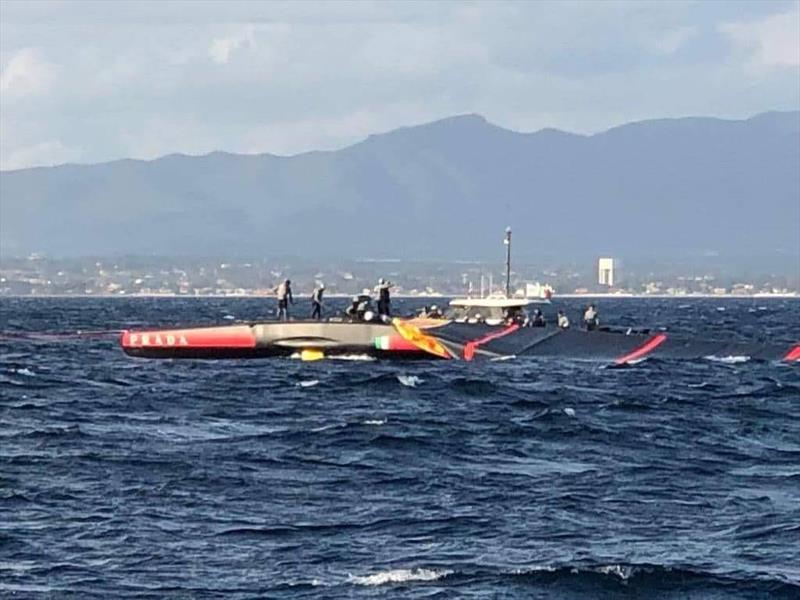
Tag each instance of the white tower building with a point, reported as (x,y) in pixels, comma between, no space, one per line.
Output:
(605,271)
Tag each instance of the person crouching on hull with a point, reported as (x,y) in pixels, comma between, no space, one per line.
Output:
(435,313)
(563,320)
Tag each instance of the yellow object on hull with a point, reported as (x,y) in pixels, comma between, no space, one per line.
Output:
(311,355)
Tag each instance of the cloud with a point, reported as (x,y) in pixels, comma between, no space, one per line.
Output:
(156,135)
(411,49)
(671,40)
(222,48)
(773,41)
(287,137)
(26,73)
(141,80)
(47,153)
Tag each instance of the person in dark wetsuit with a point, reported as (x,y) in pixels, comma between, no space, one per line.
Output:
(538,319)
(316,301)
(284,293)
(384,297)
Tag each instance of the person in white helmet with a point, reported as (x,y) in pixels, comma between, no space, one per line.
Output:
(384,297)
(591,318)
(434,312)
(284,293)
(316,301)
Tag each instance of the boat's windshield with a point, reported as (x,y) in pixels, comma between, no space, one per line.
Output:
(489,314)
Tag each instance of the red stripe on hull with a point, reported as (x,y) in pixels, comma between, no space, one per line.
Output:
(205,337)
(643,350)
(793,355)
(400,344)
(470,347)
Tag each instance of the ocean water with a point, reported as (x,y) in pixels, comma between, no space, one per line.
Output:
(273,478)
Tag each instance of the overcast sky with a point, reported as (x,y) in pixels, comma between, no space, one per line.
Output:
(96,81)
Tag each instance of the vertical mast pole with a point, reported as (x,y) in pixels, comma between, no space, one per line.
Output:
(507,242)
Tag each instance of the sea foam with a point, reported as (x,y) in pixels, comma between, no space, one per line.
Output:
(728,360)
(410,380)
(399,576)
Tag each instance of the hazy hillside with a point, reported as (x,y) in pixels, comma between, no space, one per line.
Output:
(448,188)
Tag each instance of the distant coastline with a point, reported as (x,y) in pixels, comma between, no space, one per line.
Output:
(791,295)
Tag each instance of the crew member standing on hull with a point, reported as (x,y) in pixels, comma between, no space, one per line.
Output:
(590,318)
(384,297)
(284,293)
(316,301)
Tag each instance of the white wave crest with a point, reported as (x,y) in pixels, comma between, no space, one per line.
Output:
(24,371)
(621,571)
(410,380)
(399,576)
(728,360)
(570,412)
(533,569)
(701,385)
(307,383)
(353,357)
(328,427)
(375,422)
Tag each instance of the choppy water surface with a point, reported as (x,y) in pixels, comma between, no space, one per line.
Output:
(275,478)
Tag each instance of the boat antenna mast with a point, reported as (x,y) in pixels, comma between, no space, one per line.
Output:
(507,242)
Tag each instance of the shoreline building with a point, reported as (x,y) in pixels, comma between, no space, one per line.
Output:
(606,268)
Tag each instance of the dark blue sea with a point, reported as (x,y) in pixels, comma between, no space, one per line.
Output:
(273,478)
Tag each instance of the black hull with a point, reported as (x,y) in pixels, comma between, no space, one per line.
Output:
(621,346)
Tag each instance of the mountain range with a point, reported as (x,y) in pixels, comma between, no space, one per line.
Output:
(447,189)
